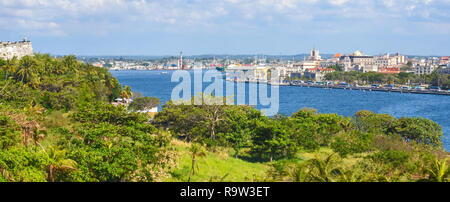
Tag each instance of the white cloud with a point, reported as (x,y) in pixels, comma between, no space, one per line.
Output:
(59,15)
(337,2)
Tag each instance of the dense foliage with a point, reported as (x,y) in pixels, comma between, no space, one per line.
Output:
(57,123)
(383,147)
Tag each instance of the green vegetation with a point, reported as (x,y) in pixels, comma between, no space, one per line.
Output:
(216,165)
(57,123)
(366,147)
(143,103)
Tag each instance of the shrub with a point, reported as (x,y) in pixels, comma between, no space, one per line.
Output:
(369,122)
(394,158)
(347,143)
(420,130)
(9,132)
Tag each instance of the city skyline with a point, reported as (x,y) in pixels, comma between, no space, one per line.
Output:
(229,27)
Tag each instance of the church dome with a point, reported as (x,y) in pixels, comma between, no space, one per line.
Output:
(337,55)
(357,53)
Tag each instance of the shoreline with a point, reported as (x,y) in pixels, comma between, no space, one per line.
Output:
(360,88)
(412,91)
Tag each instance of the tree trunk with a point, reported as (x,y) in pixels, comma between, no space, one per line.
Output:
(50,170)
(213,132)
(25,137)
(192,169)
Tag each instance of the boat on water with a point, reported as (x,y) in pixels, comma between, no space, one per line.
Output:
(220,69)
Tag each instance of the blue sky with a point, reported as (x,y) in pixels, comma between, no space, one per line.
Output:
(165,27)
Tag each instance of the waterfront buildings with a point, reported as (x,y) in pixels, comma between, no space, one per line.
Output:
(358,61)
(312,67)
(315,68)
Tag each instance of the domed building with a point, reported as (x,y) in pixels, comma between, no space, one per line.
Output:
(357,53)
(337,55)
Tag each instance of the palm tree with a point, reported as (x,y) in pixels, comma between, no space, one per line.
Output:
(297,173)
(35,83)
(438,171)
(126,93)
(324,170)
(196,150)
(37,135)
(70,63)
(59,162)
(349,176)
(26,69)
(32,128)
(10,66)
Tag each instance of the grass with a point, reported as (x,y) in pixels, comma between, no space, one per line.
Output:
(220,165)
(323,152)
(215,166)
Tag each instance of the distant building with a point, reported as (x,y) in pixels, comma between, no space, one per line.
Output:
(357,61)
(317,74)
(257,72)
(97,64)
(387,61)
(314,56)
(370,68)
(337,55)
(297,75)
(420,70)
(400,59)
(346,62)
(444,69)
(365,63)
(309,64)
(444,60)
(389,70)
(328,63)
(8,50)
(362,60)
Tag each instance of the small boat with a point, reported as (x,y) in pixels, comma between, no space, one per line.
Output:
(220,69)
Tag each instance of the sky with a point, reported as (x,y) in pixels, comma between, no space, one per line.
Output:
(274,27)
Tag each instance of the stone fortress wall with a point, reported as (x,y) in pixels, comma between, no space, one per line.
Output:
(19,49)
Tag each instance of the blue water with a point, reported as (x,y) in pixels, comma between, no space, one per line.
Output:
(343,102)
